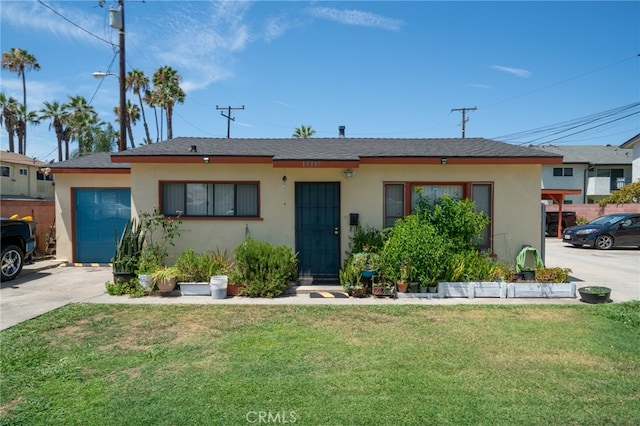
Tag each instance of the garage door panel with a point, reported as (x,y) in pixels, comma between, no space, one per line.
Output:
(100,214)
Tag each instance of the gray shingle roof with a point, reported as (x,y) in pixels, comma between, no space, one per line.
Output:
(99,160)
(335,148)
(592,154)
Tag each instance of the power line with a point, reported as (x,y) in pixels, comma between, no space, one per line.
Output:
(75,25)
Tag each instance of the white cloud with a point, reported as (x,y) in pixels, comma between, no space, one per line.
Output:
(519,72)
(357,17)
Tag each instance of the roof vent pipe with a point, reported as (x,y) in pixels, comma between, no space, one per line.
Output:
(341,131)
(193,148)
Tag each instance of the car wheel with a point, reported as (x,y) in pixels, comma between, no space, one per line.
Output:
(12,261)
(604,242)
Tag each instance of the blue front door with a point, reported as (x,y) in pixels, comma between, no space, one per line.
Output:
(100,214)
(318,229)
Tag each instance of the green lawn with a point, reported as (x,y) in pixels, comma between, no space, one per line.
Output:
(324,365)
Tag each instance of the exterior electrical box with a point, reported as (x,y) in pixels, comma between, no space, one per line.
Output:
(115,18)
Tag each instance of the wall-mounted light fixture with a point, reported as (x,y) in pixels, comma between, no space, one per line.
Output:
(443,160)
(349,173)
(206,160)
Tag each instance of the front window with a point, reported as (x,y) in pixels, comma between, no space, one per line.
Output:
(209,199)
(6,171)
(395,195)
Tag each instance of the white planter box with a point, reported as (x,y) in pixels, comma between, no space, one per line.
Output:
(195,289)
(542,290)
(473,289)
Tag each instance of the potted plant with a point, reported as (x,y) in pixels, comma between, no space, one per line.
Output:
(166,279)
(194,272)
(125,260)
(350,279)
(235,287)
(148,263)
(594,294)
(403,282)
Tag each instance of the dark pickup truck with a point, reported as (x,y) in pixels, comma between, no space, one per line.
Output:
(18,242)
(568,219)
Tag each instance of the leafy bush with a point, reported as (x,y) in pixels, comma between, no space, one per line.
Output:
(366,239)
(200,267)
(131,287)
(415,245)
(472,265)
(456,220)
(264,268)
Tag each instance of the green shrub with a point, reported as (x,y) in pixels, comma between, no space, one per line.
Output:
(264,268)
(414,244)
(366,239)
(456,220)
(131,287)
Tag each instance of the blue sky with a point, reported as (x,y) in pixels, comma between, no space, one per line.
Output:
(534,70)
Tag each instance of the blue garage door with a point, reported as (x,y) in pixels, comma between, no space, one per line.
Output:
(100,213)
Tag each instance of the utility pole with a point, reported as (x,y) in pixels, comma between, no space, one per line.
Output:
(464,118)
(116,20)
(228,117)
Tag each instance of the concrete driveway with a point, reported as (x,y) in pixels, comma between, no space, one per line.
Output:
(43,286)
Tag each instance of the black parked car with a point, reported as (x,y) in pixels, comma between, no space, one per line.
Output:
(605,232)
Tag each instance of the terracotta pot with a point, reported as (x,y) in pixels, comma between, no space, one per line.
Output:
(234,289)
(167,285)
(402,286)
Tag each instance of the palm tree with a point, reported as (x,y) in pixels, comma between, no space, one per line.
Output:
(138,83)
(133,115)
(19,61)
(24,118)
(82,119)
(167,92)
(55,112)
(303,132)
(9,115)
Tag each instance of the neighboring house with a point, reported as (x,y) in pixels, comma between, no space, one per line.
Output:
(27,189)
(24,177)
(634,145)
(307,194)
(594,170)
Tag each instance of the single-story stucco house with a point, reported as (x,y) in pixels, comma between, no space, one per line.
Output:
(304,193)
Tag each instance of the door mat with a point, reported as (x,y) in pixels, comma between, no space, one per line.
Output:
(328,295)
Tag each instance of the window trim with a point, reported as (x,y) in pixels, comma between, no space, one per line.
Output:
(212,182)
(467,193)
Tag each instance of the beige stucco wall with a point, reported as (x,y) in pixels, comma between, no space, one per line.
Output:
(64,203)
(516,200)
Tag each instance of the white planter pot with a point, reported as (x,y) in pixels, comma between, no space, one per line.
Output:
(194,289)
(146,282)
(218,286)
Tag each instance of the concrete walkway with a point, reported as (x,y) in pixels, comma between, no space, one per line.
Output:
(45,286)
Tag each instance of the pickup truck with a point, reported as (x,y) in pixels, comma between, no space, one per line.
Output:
(568,219)
(18,242)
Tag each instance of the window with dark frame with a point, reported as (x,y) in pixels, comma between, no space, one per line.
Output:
(6,171)
(395,206)
(563,171)
(210,199)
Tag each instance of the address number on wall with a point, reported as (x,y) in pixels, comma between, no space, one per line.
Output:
(311,163)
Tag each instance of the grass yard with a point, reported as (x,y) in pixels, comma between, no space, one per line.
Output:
(323,365)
